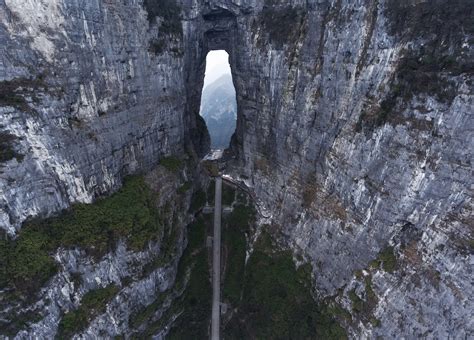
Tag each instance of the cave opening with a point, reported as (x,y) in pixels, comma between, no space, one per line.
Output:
(218,105)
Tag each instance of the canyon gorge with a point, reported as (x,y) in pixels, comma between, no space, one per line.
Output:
(351,162)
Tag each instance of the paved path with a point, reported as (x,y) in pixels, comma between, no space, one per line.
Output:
(216,263)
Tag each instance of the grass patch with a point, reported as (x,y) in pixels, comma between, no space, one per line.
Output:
(172,164)
(93,304)
(129,214)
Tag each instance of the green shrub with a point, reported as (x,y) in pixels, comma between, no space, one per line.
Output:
(242,198)
(157,46)
(198,200)
(11,96)
(196,302)
(375,322)
(281,23)
(235,243)
(168,251)
(388,259)
(172,164)
(357,302)
(18,322)
(143,315)
(242,216)
(13,92)
(7,151)
(276,300)
(93,304)
(338,312)
(29,261)
(185,187)
(12,99)
(129,214)
(438,29)
(364,308)
(211,192)
(228,194)
(211,167)
(309,195)
(170,13)
(194,305)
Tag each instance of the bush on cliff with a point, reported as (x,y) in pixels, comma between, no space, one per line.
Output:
(129,214)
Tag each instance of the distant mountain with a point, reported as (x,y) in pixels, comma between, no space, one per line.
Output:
(219,110)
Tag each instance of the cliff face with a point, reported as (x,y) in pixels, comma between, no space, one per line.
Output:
(91,94)
(353,131)
(57,285)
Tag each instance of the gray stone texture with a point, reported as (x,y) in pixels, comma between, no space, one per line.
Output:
(310,77)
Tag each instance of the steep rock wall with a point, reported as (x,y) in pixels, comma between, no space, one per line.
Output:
(96,291)
(353,131)
(90,93)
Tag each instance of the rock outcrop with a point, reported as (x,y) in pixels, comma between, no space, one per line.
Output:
(354,131)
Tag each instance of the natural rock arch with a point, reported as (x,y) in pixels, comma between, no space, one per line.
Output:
(218,31)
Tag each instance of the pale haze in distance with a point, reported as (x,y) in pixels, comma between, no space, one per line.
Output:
(217,64)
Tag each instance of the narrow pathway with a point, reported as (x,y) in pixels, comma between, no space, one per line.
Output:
(216,262)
